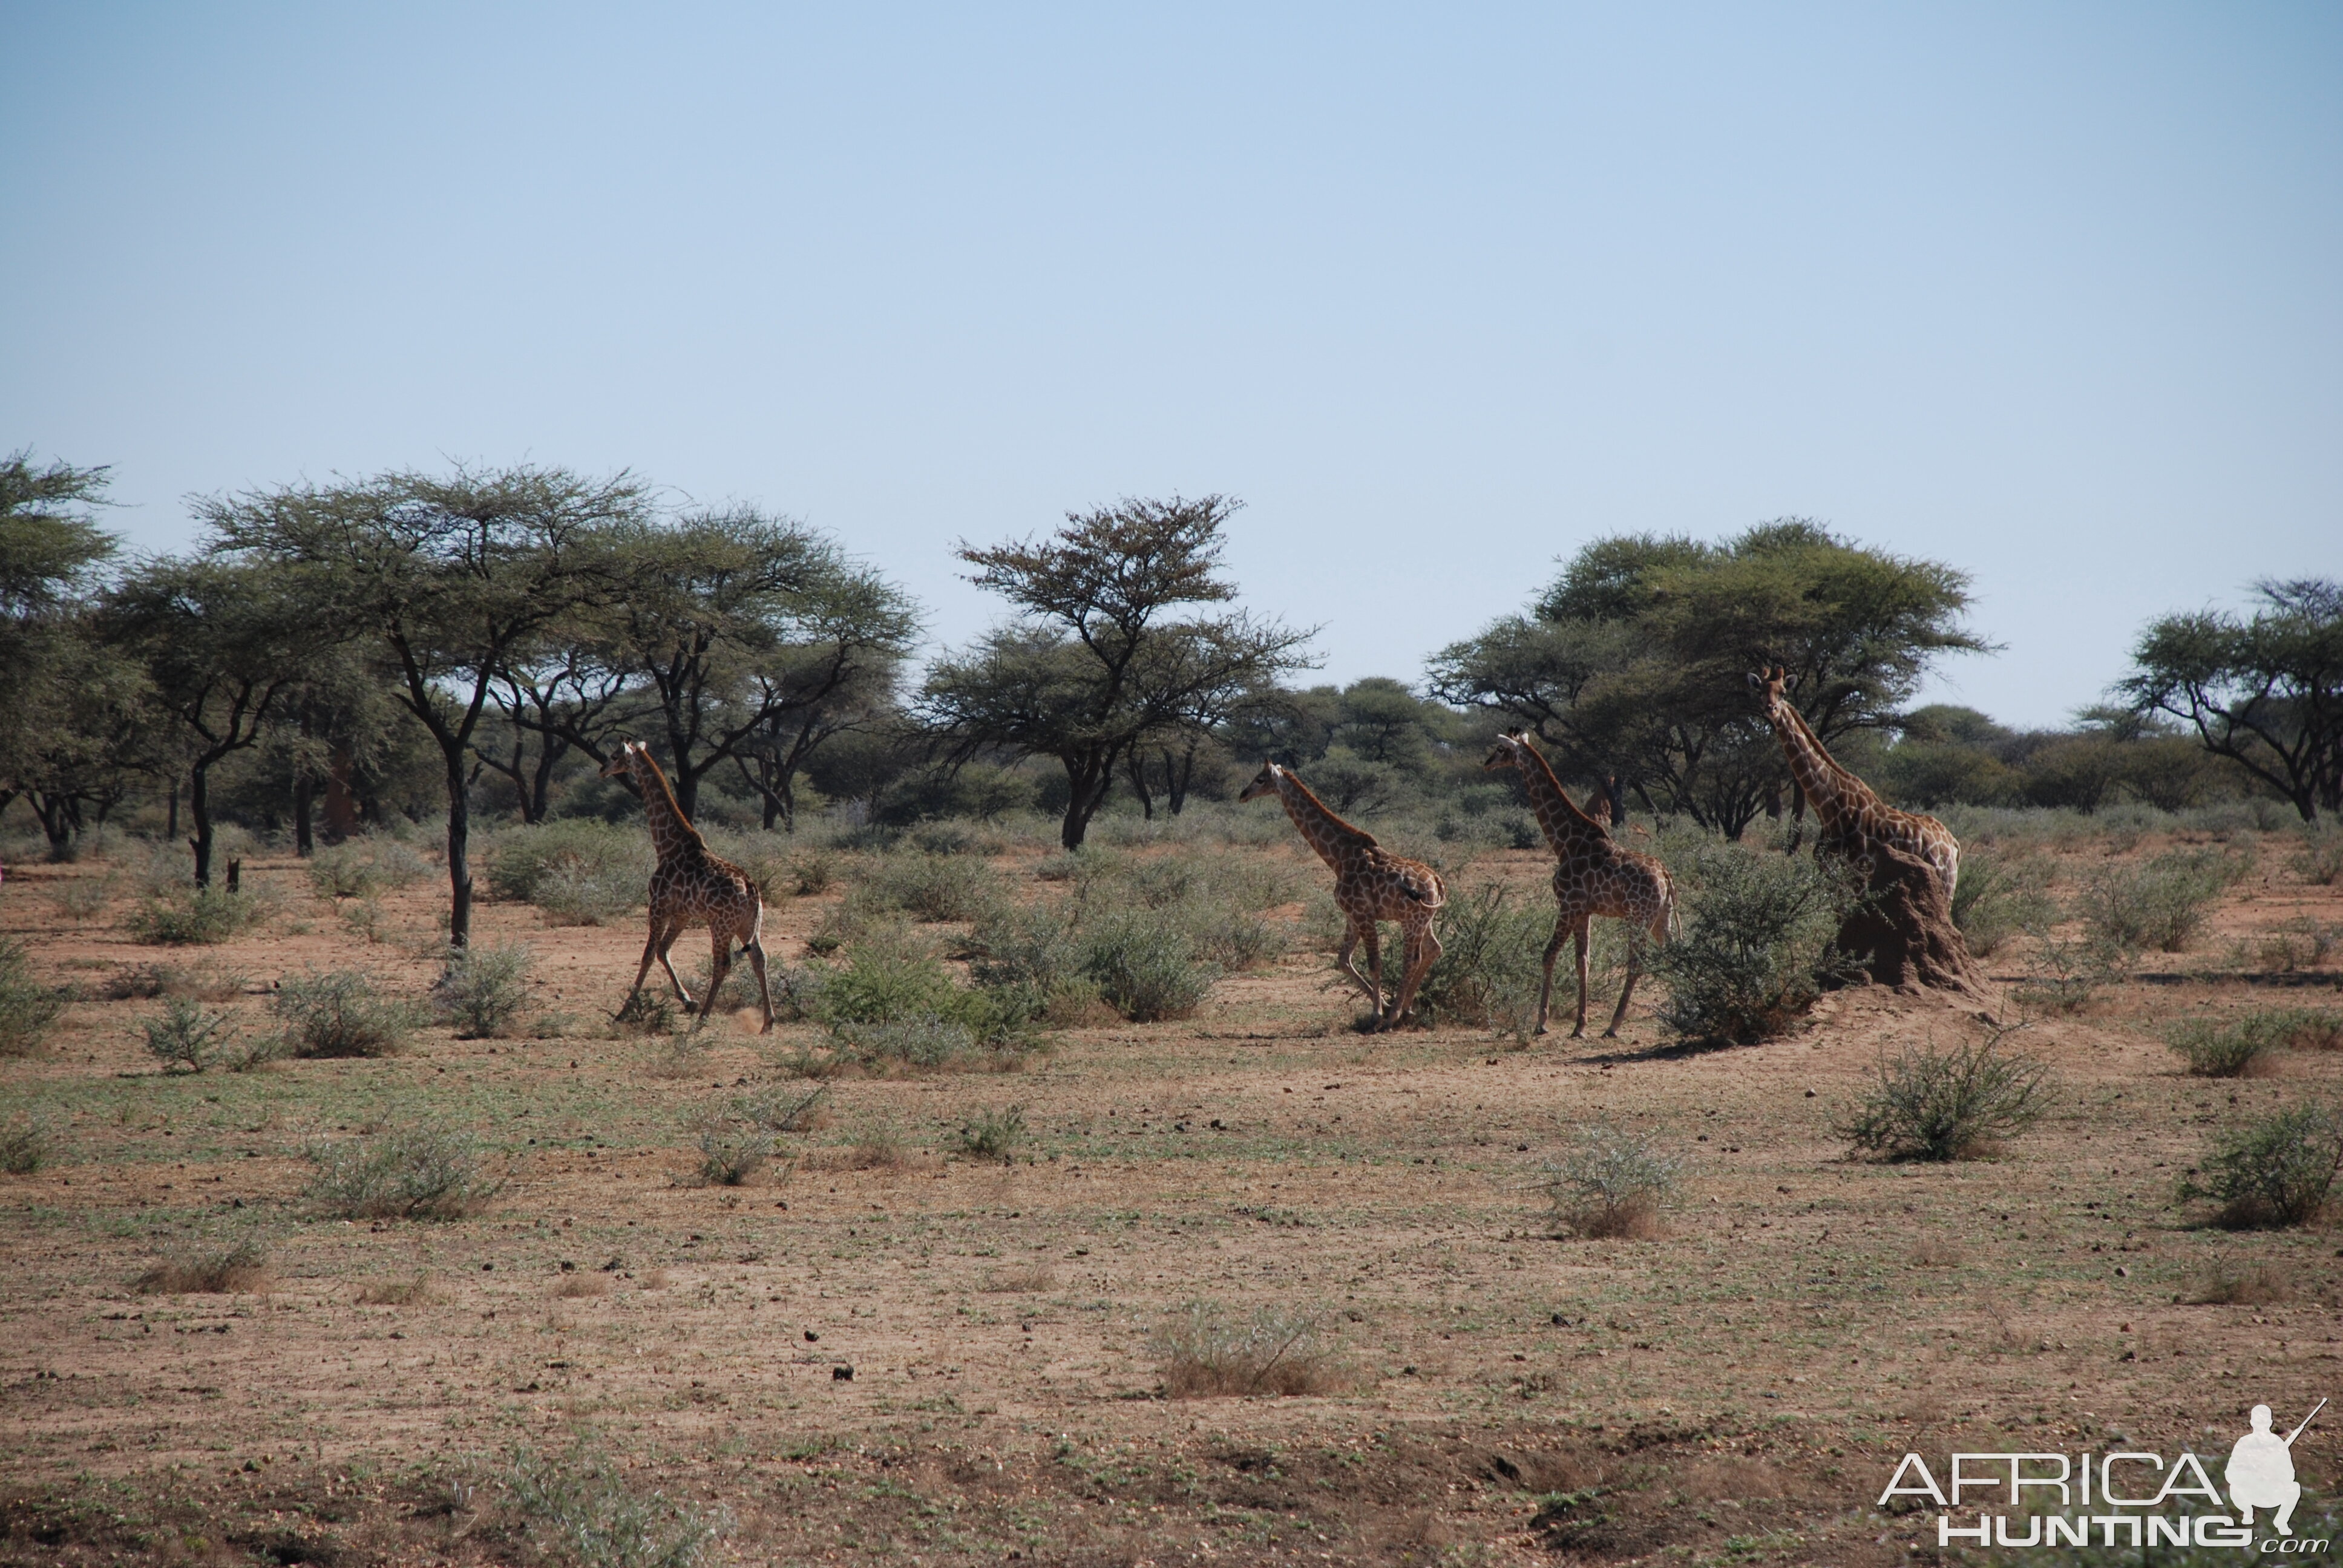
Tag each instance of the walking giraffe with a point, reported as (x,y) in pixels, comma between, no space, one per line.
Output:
(692,885)
(1591,876)
(1850,816)
(1370,884)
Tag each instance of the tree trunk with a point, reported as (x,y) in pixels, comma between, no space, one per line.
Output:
(1088,777)
(459,835)
(1902,934)
(305,801)
(1136,765)
(341,801)
(199,809)
(1176,779)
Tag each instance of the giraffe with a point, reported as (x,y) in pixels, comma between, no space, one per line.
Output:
(1370,884)
(1591,876)
(1849,815)
(690,886)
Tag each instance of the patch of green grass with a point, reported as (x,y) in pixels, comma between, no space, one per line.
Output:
(416,1172)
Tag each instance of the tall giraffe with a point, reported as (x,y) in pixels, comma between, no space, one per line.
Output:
(1850,816)
(1591,876)
(692,885)
(1370,884)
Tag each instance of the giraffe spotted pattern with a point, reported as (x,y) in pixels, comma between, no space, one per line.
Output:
(1370,884)
(1851,815)
(692,886)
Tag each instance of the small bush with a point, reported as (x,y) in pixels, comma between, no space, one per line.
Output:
(240,1268)
(577,1508)
(732,1147)
(27,1009)
(1018,1278)
(2319,858)
(340,1013)
(932,887)
(365,868)
(925,1042)
(646,1012)
(207,984)
(2307,1028)
(2063,973)
(27,1144)
(992,1135)
(1754,949)
(579,871)
(193,917)
(2161,905)
(184,1036)
(1935,1104)
(1147,970)
(483,990)
(420,1173)
(1997,899)
(1612,1183)
(810,873)
(2301,944)
(2225,1047)
(2257,1286)
(1491,964)
(82,898)
(1205,1349)
(2276,1171)
(406,1292)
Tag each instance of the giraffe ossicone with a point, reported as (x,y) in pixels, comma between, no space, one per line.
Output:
(1592,876)
(1370,884)
(691,886)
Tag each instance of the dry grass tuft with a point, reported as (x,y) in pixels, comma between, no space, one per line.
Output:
(574,1287)
(1020,1277)
(411,1292)
(241,1268)
(1204,1350)
(2261,1285)
(1935,1254)
(879,1148)
(653,1280)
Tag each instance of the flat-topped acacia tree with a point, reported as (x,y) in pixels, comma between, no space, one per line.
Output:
(1096,666)
(447,578)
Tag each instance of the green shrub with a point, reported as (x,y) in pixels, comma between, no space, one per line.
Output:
(84,898)
(1754,946)
(1146,969)
(192,917)
(577,1508)
(1933,1104)
(2224,1048)
(932,886)
(420,1173)
(992,1135)
(2276,1171)
(2319,858)
(1205,1348)
(1612,1183)
(579,871)
(184,1036)
(27,1009)
(732,1147)
(27,1144)
(2161,905)
(1997,899)
(365,868)
(884,981)
(1490,962)
(482,989)
(646,1012)
(811,872)
(340,1013)
(2307,1028)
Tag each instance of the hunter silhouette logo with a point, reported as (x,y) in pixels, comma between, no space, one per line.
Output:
(2131,1498)
(2261,1471)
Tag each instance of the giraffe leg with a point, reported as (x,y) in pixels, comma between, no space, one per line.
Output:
(1342,960)
(719,964)
(1634,966)
(756,951)
(666,941)
(1578,941)
(650,951)
(1426,949)
(1552,951)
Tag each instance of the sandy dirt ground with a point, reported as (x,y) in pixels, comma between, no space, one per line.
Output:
(1737,1390)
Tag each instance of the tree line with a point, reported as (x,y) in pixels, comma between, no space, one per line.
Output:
(440,644)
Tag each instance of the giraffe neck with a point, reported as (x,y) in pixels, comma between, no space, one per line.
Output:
(1328,834)
(1837,795)
(672,833)
(1568,830)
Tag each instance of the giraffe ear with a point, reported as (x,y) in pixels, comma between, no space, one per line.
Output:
(1789,681)
(1756,681)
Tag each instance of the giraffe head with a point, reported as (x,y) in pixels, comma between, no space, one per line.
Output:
(1507,752)
(1772,685)
(1263,782)
(621,762)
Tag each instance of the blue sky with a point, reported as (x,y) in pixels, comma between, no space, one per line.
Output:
(2047,291)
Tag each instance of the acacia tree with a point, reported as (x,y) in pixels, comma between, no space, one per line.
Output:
(449,579)
(1095,666)
(1632,661)
(2264,691)
(221,643)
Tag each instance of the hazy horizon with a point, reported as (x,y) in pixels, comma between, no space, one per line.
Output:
(2050,295)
